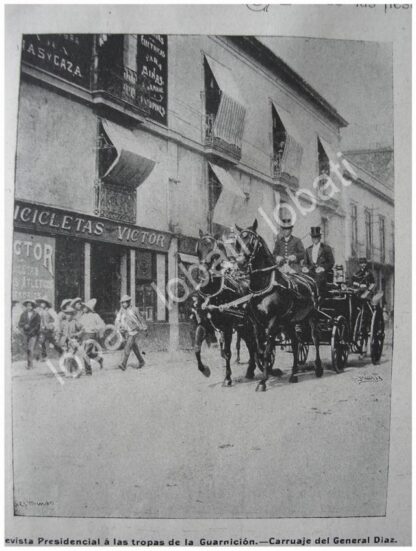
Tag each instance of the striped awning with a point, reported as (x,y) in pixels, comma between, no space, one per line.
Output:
(134,161)
(293,151)
(229,120)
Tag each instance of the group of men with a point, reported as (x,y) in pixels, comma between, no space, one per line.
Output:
(76,329)
(317,260)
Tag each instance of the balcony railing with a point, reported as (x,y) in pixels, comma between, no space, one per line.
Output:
(217,144)
(276,164)
(123,85)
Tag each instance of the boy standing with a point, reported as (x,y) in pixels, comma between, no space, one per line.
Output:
(29,323)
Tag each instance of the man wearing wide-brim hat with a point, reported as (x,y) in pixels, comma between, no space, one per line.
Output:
(319,260)
(93,330)
(47,327)
(72,332)
(288,249)
(129,322)
(29,323)
(77,303)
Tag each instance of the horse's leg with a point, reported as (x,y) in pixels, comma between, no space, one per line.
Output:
(270,337)
(238,346)
(228,335)
(295,350)
(199,339)
(313,323)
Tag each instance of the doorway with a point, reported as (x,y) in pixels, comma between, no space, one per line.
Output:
(109,278)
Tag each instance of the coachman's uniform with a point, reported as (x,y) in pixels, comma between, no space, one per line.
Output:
(364,277)
(286,247)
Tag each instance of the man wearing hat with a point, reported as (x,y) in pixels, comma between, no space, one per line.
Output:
(29,323)
(72,331)
(47,327)
(364,277)
(288,248)
(129,322)
(77,303)
(61,320)
(93,328)
(319,260)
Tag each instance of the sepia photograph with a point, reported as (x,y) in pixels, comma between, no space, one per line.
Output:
(202,277)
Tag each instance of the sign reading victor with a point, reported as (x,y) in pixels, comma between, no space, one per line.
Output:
(152,63)
(33,267)
(66,55)
(36,218)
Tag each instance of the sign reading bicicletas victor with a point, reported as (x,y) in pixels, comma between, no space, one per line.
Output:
(37,218)
(66,55)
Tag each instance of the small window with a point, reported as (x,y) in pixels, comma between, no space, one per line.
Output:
(382,231)
(354,229)
(368,234)
(279,142)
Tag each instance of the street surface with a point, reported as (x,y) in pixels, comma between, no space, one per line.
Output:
(164,441)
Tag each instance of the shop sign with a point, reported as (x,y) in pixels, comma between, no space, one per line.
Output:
(66,55)
(152,64)
(33,267)
(36,218)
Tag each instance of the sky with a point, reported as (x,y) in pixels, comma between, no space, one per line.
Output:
(355,77)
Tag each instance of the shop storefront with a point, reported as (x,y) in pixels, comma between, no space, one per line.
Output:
(62,254)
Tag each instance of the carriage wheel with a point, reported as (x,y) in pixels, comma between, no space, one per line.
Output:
(377,335)
(303,350)
(339,344)
(358,339)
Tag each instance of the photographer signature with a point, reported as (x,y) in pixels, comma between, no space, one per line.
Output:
(373,378)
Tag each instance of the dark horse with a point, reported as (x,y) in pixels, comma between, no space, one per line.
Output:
(279,302)
(217,289)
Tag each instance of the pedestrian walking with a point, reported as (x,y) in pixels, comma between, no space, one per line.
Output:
(72,331)
(93,329)
(29,323)
(129,323)
(61,319)
(47,333)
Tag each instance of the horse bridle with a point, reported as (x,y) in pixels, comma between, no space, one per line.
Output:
(254,237)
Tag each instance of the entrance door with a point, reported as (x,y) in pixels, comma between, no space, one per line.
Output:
(109,272)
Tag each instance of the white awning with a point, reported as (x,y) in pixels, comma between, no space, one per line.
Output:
(135,160)
(225,80)
(288,122)
(227,181)
(332,156)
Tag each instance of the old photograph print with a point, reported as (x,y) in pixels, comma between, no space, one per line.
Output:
(203,277)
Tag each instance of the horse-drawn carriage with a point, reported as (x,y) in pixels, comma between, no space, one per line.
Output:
(283,311)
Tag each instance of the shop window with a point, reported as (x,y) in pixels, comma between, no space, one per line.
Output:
(145,277)
(69,269)
(354,229)
(279,141)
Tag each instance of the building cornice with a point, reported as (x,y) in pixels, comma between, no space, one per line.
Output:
(276,65)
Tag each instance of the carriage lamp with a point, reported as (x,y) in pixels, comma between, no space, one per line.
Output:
(339,275)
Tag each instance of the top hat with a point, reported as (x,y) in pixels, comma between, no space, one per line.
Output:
(362,260)
(45,300)
(32,302)
(286,224)
(316,231)
(75,300)
(125,298)
(90,304)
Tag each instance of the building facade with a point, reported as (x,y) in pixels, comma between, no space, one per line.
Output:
(128,145)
